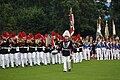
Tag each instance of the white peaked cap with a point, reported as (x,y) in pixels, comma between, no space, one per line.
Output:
(66,33)
(117,38)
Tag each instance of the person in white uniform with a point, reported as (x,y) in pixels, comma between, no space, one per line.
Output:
(103,50)
(98,49)
(54,52)
(107,49)
(66,47)
(4,53)
(87,48)
(117,45)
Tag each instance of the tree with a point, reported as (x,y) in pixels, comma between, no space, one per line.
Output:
(45,16)
(116,15)
(7,18)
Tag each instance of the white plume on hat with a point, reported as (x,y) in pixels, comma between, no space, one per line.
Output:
(66,33)
(16,37)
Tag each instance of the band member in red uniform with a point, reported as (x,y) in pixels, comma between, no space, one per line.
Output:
(4,50)
(40,48)
(47,50)
(66,47)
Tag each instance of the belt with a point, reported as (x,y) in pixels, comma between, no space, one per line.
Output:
(5,47)
(67,49)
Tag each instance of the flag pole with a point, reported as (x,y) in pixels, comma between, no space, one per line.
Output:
(71,18)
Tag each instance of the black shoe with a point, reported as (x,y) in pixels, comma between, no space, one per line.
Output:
(55,63)
(48,63)
(64,71)
(42,63)
(69,70)
(28,63)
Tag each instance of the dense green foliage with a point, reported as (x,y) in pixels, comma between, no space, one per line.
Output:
(87,70)
(45,16)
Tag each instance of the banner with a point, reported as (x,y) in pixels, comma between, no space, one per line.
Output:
(71,17)
(106,30)
(114,30)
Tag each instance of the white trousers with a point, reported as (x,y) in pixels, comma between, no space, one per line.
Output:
(79,57)
(34,58)
(110,56)
(59,58)
(19,58)
(62,59)
(0,60)
(3,61)
(22,59)
(102,53)
(107,55)
(16,58)
(46,58)
(42,57)
(87,54)
(7,60)
(25,59)
(38,58)
(66,62)
(74,57)
(54,58)
(30,58)
(117,54)
(12,59)
(98,50)
(114,54)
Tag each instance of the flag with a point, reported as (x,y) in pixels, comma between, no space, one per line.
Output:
(48,40)
(114,31)
(99,24)
(71,17)
(106,30)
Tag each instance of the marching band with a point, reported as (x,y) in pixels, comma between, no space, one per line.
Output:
(31,50)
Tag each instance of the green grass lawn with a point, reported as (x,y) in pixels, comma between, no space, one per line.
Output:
(87,70)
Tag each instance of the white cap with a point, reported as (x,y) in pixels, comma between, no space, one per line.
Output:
(117,38)
(66,33)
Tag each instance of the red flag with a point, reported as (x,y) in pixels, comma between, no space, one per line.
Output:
(71,17)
